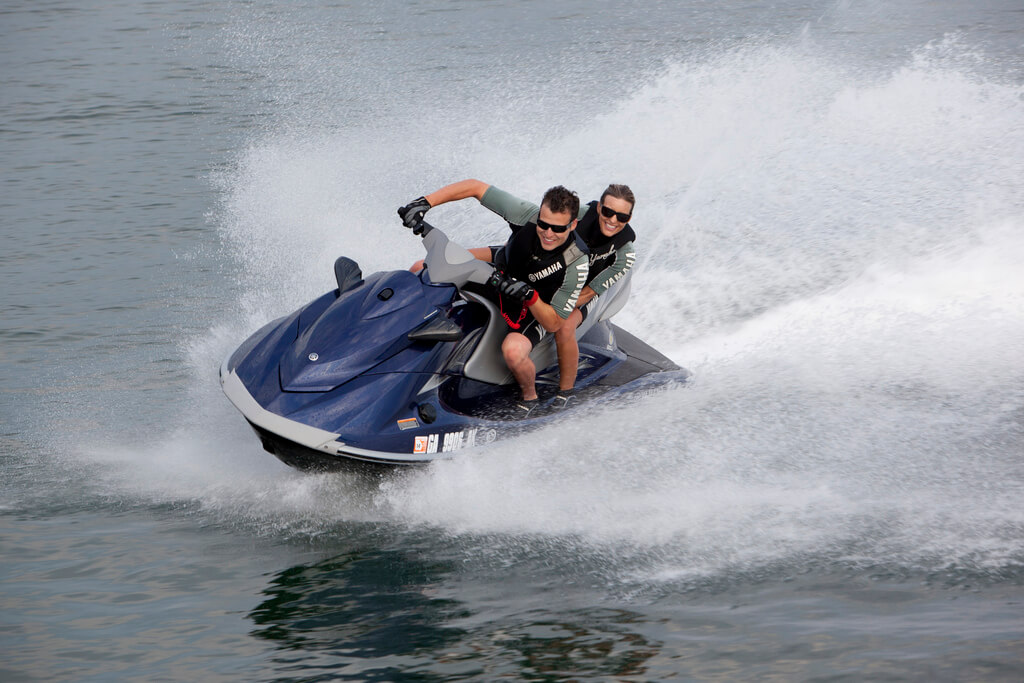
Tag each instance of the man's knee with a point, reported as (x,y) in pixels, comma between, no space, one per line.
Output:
(515,348)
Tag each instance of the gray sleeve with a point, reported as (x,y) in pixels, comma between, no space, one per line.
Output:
(624,258)
(564,300)
(513,209)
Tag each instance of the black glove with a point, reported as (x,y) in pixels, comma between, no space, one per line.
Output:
(511,287)
(413,212)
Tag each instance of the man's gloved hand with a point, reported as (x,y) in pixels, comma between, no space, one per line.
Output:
(413,212)
(511,287)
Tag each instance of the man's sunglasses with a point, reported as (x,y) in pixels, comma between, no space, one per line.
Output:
(607,212)
(544,225)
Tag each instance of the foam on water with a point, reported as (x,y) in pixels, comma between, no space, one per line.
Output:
(879,420)
(835,254)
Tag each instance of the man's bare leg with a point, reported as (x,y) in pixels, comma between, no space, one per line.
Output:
(568,351)
(516,350)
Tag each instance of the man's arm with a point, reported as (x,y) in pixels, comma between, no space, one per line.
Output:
(546,316)
(471,187)
(513,209)
(586,294)
(552,315)
(482,253)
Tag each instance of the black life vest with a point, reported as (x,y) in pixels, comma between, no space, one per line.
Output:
(602,248)
(525,259)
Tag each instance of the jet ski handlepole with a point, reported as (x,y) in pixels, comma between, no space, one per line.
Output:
(422,228)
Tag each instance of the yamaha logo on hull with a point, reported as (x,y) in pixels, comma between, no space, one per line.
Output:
(314,357)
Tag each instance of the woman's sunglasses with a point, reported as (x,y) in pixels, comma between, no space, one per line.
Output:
(607,212)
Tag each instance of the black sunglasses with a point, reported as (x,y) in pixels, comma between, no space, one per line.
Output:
(607,212)
(544,225)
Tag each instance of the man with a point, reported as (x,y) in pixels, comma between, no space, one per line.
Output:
(540,270)
(603,226)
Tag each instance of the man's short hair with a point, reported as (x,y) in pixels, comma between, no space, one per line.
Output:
(559,200)
(620,192)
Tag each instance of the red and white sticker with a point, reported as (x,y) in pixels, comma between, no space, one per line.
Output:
(452,441)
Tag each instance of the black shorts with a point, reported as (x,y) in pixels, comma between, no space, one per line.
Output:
(585,309)
(533,331)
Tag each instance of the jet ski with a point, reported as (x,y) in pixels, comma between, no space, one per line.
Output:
(400,369)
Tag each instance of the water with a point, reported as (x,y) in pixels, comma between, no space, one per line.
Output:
(830,216)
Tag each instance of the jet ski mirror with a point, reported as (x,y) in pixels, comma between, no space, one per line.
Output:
(347,273)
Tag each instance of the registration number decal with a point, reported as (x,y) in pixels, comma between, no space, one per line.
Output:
(452,441)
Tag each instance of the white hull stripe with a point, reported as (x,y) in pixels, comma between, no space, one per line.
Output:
(304,435)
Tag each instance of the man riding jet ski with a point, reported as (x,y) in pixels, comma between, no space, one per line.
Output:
(539,274)
(403,369)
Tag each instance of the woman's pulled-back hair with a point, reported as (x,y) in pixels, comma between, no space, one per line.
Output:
(620,192)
